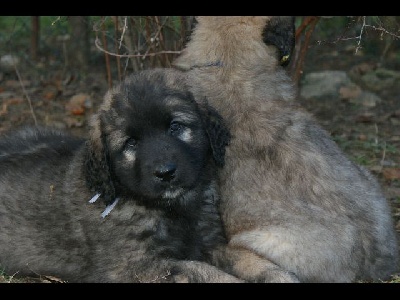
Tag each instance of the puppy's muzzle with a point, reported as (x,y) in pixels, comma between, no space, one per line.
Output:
(165,172)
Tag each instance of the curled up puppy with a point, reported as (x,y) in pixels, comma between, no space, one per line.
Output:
(136,202)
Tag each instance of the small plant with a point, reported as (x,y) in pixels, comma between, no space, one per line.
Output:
(4,278)
(362,160)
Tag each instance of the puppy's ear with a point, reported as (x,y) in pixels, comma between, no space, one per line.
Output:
(98,169)
(280,32)
(217,132)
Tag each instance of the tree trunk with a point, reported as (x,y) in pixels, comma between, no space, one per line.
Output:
(35,36)
(79,46)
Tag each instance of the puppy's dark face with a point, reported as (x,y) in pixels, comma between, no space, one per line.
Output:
(158,144)
(156,140)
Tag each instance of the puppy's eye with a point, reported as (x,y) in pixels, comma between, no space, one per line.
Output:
(131,144)
(175,128)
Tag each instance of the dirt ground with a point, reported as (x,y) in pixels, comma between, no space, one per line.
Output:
(46,94)
(369,135)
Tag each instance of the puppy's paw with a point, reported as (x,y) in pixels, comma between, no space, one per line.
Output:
(277,276)
(200,272)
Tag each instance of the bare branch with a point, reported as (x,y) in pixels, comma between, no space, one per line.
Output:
(97,43)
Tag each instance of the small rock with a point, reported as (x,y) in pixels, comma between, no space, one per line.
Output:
(8,62)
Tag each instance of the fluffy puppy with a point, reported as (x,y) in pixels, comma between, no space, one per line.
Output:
(150,163)
(291,201)
(280,33)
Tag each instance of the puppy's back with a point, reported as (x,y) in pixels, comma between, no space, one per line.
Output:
(43,142)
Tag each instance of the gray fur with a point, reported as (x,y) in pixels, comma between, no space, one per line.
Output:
(48,227)
(288,193)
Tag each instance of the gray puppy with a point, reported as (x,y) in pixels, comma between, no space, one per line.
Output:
(288,193)
(150,163)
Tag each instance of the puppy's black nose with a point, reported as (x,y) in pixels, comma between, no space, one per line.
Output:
(165,172)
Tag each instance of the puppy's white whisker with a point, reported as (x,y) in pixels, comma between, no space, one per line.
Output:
(173,194)
(94,198)
(109,208)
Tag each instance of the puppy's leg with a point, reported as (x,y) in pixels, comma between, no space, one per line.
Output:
(251,267)
(195,271)
(181,271)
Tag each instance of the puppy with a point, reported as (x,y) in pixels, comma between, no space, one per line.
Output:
(280,33)
(291,201)
(136,202)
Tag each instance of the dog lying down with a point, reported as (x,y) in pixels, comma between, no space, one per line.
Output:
(136,202)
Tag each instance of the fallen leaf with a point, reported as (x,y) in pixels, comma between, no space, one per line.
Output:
(364,118)
(17,83)
(391,173)
(362,137)
(49,95)
(3,110)
(77,104)
(349,92)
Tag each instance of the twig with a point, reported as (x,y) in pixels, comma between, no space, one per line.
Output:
(108,68)
(309,21)
(116,24)
(25,93)
(384,148)
(97,44)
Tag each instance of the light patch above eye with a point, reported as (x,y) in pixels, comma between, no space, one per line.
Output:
(130,155)
(186,135)
(173,101)
(185,118)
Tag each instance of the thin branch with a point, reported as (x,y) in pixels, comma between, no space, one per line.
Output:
(108,68)
(26,94)
(97,44)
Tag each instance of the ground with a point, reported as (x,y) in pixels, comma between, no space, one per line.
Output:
(46,94)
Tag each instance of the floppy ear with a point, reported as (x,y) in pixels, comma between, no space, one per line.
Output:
(217,132)
(280,32)
(98,170)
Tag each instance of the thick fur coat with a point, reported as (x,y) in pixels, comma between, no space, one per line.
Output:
(150,162)
(288,193)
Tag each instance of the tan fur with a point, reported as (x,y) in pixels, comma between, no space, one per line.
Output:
(289,194)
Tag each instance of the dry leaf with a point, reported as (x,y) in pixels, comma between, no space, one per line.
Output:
(49,95)
(364,118)
(76,105)
(349,92)
(362,137)
(3,110)
(391,173)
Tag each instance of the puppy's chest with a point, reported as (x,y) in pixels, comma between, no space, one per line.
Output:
(167,233)
(177,236)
